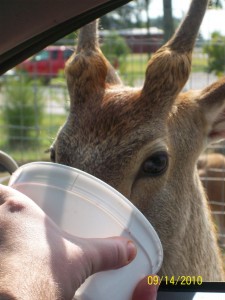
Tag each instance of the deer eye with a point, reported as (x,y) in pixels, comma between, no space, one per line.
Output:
(52,154)
(156,164)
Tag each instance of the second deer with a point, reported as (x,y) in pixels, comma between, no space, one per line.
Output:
(211,168)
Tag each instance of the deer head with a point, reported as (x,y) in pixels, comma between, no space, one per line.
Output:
(145,142)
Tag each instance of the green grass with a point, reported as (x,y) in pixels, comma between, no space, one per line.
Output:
(134,69)
(136,63)
(41,140)
(199,63)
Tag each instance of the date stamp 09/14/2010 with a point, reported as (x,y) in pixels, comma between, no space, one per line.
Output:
(172,280)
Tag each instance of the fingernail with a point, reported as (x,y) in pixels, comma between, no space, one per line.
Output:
(132,251)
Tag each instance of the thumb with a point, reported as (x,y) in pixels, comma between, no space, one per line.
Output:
(94,255)
(109,253)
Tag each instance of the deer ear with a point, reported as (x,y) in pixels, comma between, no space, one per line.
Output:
(212,103)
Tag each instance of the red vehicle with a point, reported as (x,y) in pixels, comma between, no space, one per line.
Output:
(47,63)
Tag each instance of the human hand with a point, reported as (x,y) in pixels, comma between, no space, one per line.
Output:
(144,291)
(39,261)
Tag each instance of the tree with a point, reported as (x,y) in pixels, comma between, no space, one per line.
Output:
(116,50)
(127,16)
(142,6)
(215,4)
(148,22)
(168,19)
(122,17)
(216,53)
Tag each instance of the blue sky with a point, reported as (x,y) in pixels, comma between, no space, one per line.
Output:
(213,20)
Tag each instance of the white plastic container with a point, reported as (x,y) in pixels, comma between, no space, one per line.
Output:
(85,206)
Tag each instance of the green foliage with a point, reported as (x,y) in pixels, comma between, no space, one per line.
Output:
(216,53)
(120,18)
(215,4)
(22,111)
(116,50)
(129,15)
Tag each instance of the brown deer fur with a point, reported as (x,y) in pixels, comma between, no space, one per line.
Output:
(113,132)
(211,169)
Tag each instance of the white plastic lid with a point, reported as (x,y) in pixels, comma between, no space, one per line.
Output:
(85,206)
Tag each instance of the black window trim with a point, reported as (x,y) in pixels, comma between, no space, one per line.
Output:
(26,49)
